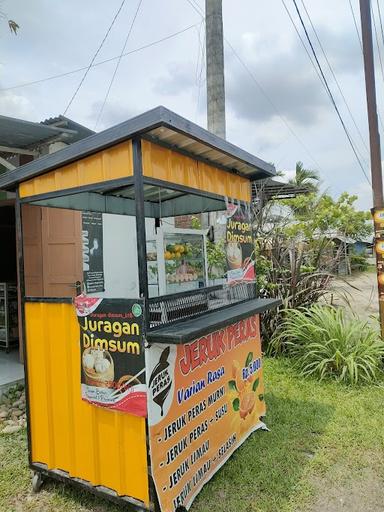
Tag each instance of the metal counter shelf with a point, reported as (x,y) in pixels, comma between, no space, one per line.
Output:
(193,328)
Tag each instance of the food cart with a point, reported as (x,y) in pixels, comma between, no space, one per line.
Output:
(143,373)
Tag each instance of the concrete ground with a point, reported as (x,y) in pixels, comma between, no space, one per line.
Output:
(359,292)
(11,371)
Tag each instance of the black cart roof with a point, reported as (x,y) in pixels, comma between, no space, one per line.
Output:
(159,125)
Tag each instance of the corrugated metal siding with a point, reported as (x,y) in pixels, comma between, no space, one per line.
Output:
(104,447)
(109,164)
(164,164)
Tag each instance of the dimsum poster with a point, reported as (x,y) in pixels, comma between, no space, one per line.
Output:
(239,243)
(112,353)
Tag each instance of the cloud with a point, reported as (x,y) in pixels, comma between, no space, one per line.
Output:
(114,112)
(287,76)
(16,105)
(176,80)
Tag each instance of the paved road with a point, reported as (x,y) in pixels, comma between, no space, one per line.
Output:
(360,291)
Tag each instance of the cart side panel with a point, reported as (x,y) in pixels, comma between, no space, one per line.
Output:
(164,164)
(109,164)
(205,398)
(105,447)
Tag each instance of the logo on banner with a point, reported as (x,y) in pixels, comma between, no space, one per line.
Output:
(160,381)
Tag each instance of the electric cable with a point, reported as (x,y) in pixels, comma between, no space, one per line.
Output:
(377,43)
(330,92)
(117,64)
(302,42)
(334,77)
(380,19)
(94,57)
(111,59)
(356,26)
(362,50)
(196,7)
(380,58)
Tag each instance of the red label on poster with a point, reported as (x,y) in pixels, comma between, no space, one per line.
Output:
(204,399)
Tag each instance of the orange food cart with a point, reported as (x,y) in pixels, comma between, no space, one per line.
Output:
(143,372)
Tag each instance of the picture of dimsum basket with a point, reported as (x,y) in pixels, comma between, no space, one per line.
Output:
(98,368)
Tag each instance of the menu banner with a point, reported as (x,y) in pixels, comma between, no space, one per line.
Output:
(93,264)
(204,399)
(378,221)
(112,353)
(239,244)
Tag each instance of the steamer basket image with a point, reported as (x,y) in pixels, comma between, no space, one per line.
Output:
(99,378)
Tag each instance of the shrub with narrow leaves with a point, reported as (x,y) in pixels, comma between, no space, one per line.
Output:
(326,342)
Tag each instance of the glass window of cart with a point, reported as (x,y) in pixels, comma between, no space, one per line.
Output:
(75,245)
(199,246)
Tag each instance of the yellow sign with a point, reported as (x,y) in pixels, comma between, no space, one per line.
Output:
(204,399)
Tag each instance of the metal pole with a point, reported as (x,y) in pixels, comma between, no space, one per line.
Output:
(215,67)
(374,141)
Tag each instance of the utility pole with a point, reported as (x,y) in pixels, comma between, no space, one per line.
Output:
(374,141)
(215,67)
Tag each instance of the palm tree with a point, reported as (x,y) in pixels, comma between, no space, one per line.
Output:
(307,178)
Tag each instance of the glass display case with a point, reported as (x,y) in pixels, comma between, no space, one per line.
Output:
(152,269)
(176,261)
(9,333)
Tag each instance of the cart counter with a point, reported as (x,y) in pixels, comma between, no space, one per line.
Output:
(205,396)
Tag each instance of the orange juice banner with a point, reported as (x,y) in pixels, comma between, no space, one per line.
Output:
(378,220)
(204,399)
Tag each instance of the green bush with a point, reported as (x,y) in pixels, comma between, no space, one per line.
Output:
(325,342)
(359,262)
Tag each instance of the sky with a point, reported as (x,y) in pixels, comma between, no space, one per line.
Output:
(276,105)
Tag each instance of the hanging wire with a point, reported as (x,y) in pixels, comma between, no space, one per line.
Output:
(117,64)
(197,8)
(100,63)
(330,92)
(94,57)
(334,77)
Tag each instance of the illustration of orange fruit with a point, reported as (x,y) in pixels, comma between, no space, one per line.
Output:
(240,384)
(235,368)
(247,403)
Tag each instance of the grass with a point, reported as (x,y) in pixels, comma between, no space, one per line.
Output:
(326,442)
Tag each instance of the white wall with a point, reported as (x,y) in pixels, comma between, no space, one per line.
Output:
(121,273)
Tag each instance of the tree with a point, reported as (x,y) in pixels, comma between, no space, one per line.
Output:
(316,216)
(295,252)
(308,178)
(12,25)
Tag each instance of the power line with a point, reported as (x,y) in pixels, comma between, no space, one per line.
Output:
(380,59)
(315,67)
(329,91)
(356,26)
(302,41)
(94,56)
(361,44)
(74,71)
(334,77)
(377,42)
(118,64)
(381,21)
(196,7)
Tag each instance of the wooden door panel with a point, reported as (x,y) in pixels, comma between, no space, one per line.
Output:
(62,251)
(33,256)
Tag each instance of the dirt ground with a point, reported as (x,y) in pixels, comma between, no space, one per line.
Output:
(364,492)
(359,292)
